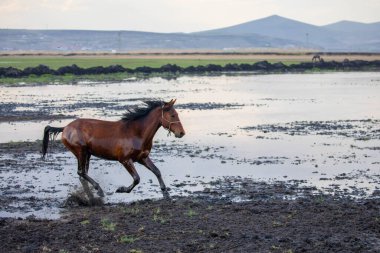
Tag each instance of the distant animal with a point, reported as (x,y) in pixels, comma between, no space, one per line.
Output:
(128,140)
(316,58)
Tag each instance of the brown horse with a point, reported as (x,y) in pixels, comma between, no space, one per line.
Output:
(128,140)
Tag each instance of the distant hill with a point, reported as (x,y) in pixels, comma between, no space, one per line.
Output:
(283,28)
(269,32)
(350,26)
(76,40)
(340,36)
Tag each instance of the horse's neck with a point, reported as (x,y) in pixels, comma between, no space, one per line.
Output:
(149,125)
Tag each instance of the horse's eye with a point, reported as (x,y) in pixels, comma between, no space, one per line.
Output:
(173,116)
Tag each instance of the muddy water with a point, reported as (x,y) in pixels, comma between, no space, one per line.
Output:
(321,128)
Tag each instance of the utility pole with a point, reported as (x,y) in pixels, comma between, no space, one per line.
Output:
(119,41)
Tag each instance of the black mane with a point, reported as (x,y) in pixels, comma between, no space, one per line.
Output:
(137,112)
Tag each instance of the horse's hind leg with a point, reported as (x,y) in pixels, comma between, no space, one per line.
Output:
(136,178)
(83,167)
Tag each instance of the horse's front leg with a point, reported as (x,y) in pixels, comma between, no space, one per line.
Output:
(136,178)
(150,166)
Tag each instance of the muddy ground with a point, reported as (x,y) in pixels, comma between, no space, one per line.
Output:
(279,217)
(230,214)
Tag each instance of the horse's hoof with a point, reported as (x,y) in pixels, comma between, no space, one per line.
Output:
(101,193)
(166,195)
(123,189)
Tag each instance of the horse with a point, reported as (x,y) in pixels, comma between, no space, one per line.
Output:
(127,140)
(317,58)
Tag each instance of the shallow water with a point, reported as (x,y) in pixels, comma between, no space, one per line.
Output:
(222,139)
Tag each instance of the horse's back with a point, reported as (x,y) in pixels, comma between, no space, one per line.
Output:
(91,134)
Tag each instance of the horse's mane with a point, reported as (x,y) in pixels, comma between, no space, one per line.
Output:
(140,111)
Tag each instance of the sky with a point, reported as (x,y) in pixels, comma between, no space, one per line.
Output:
(176,15)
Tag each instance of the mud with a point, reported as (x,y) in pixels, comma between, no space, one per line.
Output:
(365,129)
(278,217)
(56,110)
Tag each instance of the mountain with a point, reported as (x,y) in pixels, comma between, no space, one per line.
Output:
(270,32)
(345,25)
(340,36)
(357,36)
(279,27)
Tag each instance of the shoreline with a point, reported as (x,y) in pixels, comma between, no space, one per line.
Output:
(72,74)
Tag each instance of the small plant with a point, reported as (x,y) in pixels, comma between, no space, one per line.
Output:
(191,213)
(132,211)
(85,222)
(320,199)
(141,229)
(276,224)
(157,217)
(108,225)
(135,251)
(127,239)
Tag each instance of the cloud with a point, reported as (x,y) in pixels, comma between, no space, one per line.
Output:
(65,5)
(19,6)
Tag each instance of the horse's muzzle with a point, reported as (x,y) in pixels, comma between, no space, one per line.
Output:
(179,135)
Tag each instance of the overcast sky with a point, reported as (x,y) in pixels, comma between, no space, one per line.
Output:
(175,15)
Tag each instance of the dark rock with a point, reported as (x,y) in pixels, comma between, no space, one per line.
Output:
(232,67)
(38,71)
(214,68)
(170,68)
(73,69)
(262,65)
(145,69)
(116,69)
(11,72)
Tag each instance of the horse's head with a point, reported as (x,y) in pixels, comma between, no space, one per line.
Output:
(170,119)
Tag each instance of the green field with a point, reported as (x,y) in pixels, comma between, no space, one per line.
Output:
(56,62)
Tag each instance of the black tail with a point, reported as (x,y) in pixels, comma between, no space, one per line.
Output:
(49,132)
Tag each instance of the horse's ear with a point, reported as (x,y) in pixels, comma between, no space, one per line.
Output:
(170,104)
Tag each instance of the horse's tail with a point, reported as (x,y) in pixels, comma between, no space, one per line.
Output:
(48,133)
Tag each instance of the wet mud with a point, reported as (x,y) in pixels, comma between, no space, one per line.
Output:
(366,129)
(278,217)
(55,110)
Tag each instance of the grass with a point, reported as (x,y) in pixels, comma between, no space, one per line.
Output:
(56,62)
(59,61)
(108,225)
(190,213)
(157,217)
(85,222)
(127,239)
(65,79)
